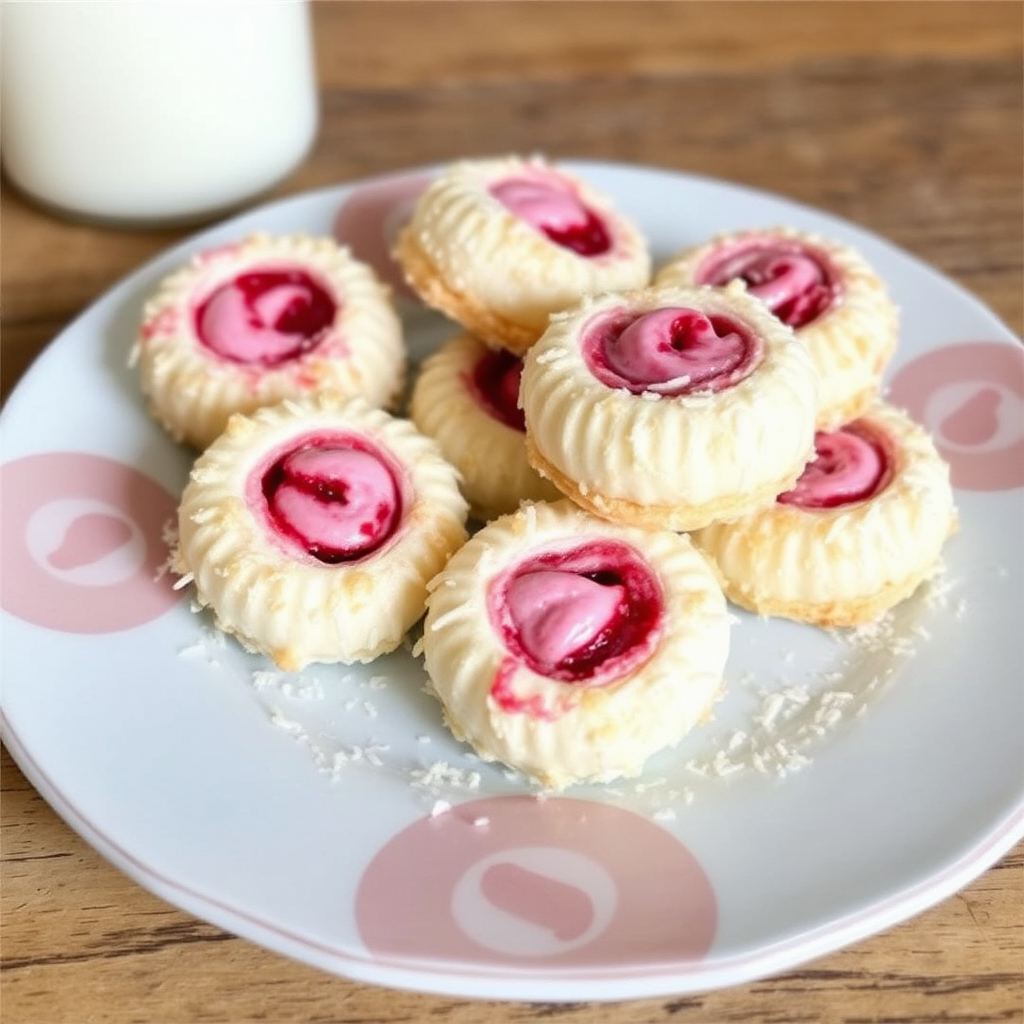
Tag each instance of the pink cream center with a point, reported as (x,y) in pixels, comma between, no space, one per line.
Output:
(796,283)
(265,317)
(550,204)
(560,613)
(672,351)
(849,465)
(586,615)
(495,385)
(332,496)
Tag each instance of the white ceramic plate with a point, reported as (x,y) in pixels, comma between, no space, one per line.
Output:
(307,813)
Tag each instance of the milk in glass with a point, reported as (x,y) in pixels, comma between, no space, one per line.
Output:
(154,111)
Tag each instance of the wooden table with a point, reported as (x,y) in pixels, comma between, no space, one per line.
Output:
(904,117)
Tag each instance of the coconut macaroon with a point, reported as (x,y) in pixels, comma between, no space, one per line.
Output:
(670,407)
(267,318)
(836,303)
(312,527)
(862,528)
(572,649)
(466,397)
(500,244)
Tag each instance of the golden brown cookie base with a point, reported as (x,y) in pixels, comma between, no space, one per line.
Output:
(833,614)
(423,277)
(655,517)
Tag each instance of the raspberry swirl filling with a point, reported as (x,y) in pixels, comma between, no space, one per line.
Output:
(265,317)
(494,383)
(586,615)
(850,465)
(333,497)
(672,351)
(551,205)
(796,283)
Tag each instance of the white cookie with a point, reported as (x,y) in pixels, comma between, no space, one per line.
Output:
(500,244)
(864,526)
(312,527)
(826,291)
(268,318)
(465,397)
(670,407)
(572,649)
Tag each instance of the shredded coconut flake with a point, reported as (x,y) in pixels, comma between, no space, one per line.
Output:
(282,722)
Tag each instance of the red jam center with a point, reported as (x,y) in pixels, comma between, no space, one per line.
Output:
(795,282)
(333,496)
(265,317)
(495,385)
(584,615)
(849,465)
(672,351)
(550,204)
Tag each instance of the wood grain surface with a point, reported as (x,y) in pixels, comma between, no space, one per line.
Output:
(904,117)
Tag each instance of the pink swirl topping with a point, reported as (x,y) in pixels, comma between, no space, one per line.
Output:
(796,282)
(495,385)
(672,351)
(332,496)
(585,615)
(559,613)
(550,204)
(265,317)
(850,465)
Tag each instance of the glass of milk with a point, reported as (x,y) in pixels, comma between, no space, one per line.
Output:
(149,112)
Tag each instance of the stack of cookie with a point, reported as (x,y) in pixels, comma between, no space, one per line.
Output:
(731,404)
(749,368)
(635,450)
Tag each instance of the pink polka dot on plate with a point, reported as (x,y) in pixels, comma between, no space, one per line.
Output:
(82,543)
(970,396)
(371,218)
(518,881)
